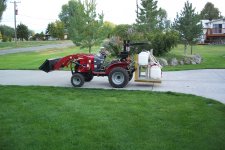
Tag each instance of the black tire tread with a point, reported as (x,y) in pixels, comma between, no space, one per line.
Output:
(88,77)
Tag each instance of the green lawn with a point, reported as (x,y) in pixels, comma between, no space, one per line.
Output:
(21,44)
(213,57)
(68,118)
(32,60)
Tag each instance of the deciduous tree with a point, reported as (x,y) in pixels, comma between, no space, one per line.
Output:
(39,36)
(107,29)
(56,29)
(2,7)
(123,31)
(82,22)
(7,31)
(210,12)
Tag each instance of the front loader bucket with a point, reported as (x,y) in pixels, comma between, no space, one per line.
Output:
(48,65)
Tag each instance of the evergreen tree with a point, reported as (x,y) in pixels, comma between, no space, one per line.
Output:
(149,17)
(210,12)
(151,24)
(22,32)
(188,26)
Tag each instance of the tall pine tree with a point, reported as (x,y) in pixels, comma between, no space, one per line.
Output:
(149,17)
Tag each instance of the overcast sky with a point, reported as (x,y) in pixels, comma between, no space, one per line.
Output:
(36,14)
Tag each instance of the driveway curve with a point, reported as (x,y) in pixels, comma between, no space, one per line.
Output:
(209,83)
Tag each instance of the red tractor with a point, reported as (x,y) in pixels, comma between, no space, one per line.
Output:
(85,66)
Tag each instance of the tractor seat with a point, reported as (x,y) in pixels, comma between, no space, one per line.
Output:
(98,61)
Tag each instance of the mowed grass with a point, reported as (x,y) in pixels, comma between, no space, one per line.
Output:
(32,60)
(213,57)
(21,44)
(66,118)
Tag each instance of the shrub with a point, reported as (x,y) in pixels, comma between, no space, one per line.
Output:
(163,42)
(5,39)
(113,45)
(123,31)
(160,42)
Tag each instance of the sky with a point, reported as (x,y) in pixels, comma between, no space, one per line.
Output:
(36,14)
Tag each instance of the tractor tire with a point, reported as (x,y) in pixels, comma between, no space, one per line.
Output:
(77,80)
(118,77)
(88,77)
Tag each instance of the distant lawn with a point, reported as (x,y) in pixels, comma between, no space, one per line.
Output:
(65,118)
(213,57)
(32,60)
(21,44)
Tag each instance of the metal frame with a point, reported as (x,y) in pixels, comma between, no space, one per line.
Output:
(137,74)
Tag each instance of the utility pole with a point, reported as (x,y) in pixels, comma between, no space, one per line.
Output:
(15,13)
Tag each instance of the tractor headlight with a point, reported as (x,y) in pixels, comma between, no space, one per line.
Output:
(88,66)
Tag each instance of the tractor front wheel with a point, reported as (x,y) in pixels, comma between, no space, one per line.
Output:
(77,80)
(118,77)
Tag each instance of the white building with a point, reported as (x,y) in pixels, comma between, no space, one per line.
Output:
(213,31)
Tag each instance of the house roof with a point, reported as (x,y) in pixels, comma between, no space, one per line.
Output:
(205,23)
(215,20)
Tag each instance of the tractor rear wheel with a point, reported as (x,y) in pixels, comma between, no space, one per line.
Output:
(118,77)
(77,80)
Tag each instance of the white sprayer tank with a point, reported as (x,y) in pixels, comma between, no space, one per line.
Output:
(143,58)
(155,72)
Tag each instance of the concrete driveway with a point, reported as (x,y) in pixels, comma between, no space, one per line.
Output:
(207,83)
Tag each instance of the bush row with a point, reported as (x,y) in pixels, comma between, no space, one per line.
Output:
(160,42)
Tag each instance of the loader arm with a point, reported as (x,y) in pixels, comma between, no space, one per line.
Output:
(56,64)
(65,61)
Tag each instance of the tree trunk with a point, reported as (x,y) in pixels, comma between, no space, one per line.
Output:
(89,49)
(185,49)
(191,49)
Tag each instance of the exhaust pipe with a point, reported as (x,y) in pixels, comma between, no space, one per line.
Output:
(49,64)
